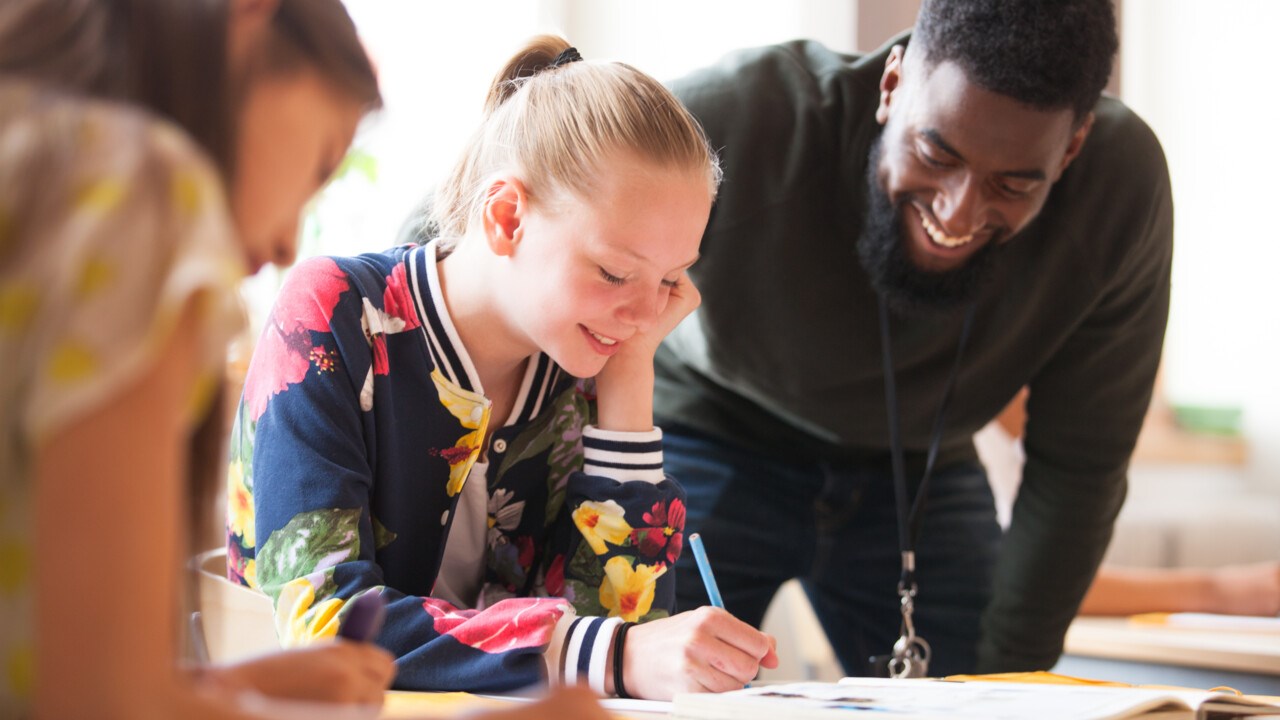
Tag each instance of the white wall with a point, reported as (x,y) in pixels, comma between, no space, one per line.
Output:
(1200,73)
(1204,75)
(668,38)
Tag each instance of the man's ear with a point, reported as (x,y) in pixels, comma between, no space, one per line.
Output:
(246,22)
(1078,137)
(505,205)
(890,79)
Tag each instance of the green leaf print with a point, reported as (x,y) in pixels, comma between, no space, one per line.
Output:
(560,431)
(586,598)
(585,564)
(242,435)
(313,540)
(655,615)
(529,443)
(572,415)
(382,537)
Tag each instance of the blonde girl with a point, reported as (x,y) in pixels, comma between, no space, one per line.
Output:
(416,422)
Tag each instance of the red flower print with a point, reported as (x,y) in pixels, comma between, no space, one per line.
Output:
(236,563)
(666,533)
(397,301)
(525,544)
(555,576)
(284,352)
(324,360)
(509,625)
(453,455)
(380,364)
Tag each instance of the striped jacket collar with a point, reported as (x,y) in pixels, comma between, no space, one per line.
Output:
(447,351)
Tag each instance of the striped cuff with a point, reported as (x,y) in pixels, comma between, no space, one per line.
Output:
(623,456)
(583,652)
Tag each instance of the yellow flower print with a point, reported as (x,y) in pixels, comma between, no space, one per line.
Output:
(600,523)
(187,190)
(72,363)
(626,592)
(251,573)
(472,411)
(297,623)
(102,196)
(18,304)
(97,274)
(15,566)
(240,516)
(20,670)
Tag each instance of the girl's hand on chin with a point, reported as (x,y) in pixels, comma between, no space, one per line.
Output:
(682,299)
(625,386)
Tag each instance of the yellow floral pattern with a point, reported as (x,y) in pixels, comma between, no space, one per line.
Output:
(297,623)
(240,513)
(96,275)
(19,302)
(602,523)
(108,267)
(472,411)
(628,592)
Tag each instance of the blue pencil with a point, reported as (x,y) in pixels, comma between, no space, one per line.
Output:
(704,567)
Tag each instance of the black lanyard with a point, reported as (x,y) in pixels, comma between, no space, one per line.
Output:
(911,652)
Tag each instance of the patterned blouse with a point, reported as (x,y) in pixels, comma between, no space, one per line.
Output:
(111,225)
(359,425)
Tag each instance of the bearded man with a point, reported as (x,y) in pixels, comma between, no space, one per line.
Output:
(902,241)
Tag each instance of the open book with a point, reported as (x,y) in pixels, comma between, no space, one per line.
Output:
(941,699)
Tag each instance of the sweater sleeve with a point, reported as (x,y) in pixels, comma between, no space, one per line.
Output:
(1085,409)
(623,530)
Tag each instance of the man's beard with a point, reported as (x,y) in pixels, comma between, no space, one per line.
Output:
(883,253)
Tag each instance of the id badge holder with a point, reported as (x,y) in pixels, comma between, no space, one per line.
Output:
(910,656)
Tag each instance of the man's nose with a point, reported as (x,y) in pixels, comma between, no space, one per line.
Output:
(961,207)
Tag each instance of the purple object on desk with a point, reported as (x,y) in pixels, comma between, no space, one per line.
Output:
(364,619)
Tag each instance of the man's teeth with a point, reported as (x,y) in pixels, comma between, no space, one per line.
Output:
(603,340)
(942,238)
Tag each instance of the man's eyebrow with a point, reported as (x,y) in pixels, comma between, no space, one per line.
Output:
(934,137)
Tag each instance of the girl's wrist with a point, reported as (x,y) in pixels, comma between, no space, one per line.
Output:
(624,398)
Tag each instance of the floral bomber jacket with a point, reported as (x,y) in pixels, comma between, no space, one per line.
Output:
(356,431)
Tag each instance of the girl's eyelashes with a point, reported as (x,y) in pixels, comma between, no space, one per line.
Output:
(611,278)
(617,280)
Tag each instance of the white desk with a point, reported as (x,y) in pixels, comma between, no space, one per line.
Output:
(1115,649)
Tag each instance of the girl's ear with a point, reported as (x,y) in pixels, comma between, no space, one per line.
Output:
(504,207)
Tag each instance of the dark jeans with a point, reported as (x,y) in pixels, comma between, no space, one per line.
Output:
(764,522)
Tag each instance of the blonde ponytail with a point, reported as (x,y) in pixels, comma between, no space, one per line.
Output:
(555,122)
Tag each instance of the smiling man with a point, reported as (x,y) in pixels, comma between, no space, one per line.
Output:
(966,193)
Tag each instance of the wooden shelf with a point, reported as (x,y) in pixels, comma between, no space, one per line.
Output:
(1162,441)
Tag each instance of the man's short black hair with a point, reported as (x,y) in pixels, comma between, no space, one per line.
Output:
(1048,54)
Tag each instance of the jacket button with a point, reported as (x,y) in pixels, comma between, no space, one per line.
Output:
(499,445)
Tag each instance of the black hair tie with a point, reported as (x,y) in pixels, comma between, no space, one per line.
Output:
(568,55)
(618,688)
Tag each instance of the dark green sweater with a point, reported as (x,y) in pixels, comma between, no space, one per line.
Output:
(784,354)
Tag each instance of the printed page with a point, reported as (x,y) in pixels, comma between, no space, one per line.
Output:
(929,700)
